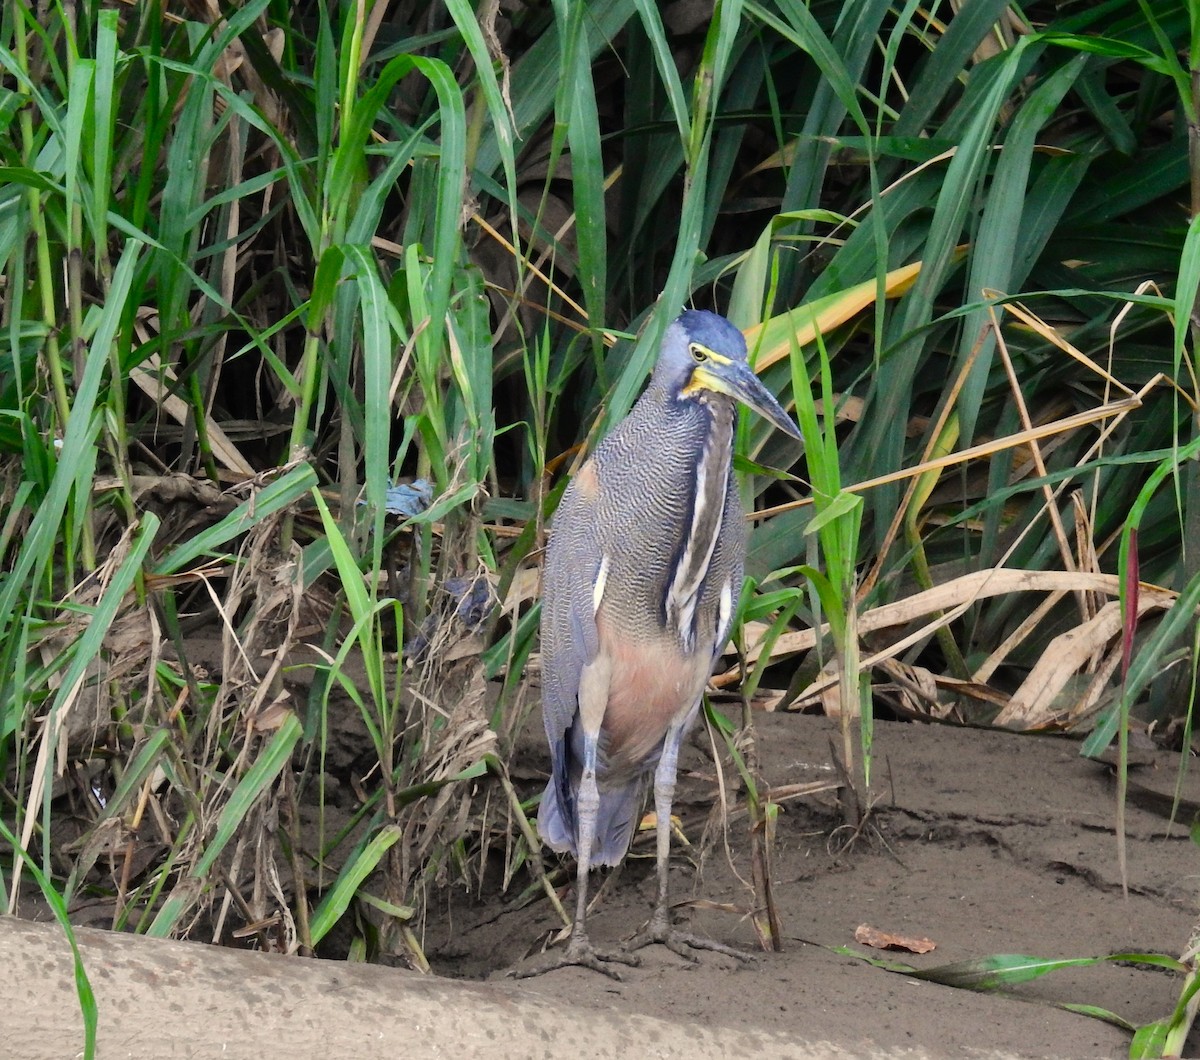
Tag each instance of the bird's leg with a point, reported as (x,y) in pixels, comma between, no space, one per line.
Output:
(661,929)
(579,949)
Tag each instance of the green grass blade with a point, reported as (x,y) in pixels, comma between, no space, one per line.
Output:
(83,985)
(274,497)
(270,762)
(337,899)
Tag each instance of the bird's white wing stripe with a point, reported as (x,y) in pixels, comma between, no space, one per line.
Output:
(599,584)
(708,509)
(724,613)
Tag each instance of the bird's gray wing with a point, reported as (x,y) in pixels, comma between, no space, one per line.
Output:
(569,636)
(570,641)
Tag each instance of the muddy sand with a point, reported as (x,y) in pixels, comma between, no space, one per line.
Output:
(984,843)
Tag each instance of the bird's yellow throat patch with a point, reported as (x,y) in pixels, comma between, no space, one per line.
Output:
(704,378)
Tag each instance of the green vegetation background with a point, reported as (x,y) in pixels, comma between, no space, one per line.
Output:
(260,261)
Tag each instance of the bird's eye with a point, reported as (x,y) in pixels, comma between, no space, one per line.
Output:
(699,353)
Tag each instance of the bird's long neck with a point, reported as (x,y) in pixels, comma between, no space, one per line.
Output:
(709,483)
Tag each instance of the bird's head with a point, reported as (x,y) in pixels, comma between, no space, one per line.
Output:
(704,353)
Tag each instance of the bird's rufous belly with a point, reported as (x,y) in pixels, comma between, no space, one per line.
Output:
(651,683)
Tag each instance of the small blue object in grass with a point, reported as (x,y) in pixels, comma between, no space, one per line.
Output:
(475,600)
(408,499)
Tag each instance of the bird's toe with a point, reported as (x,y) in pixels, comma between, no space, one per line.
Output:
(682,943)
(580,953)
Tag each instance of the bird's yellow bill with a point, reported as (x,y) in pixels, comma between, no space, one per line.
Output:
(738,381)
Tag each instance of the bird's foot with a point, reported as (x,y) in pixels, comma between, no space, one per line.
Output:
(580,953)
(661,930)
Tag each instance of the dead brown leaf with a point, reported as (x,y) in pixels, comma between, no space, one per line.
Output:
(885,940)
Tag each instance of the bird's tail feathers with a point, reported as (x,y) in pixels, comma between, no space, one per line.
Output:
(556,822)
(615,821)
(620,809)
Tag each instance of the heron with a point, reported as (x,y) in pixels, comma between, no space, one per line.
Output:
(642,576)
